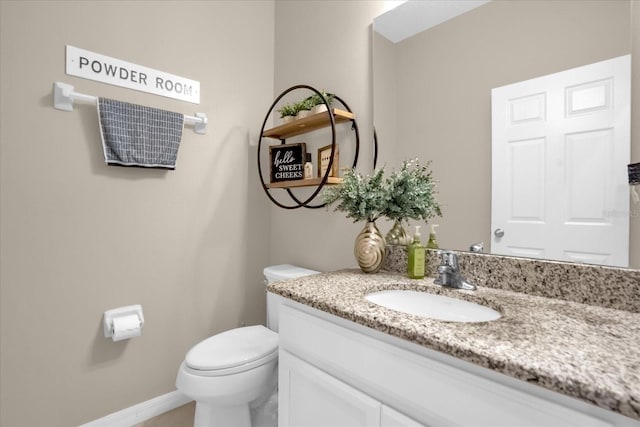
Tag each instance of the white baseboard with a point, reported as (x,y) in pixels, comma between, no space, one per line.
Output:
(142,411)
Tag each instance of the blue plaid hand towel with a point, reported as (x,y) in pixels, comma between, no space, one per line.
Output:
(135,135)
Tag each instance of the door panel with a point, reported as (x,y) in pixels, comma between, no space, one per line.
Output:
(560,146)
(309,397)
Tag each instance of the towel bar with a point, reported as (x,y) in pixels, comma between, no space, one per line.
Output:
(64,96)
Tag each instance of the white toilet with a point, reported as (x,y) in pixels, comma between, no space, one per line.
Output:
(235,371)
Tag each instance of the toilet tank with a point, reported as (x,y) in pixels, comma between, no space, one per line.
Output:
(276,273)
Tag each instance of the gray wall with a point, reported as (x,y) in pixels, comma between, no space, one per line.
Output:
(80,237)
(326,45)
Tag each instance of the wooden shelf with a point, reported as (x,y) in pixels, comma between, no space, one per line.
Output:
(312,122)
(305,182)
(308,124)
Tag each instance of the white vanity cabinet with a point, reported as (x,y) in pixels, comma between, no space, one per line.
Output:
(333,372)
(311,397)
(391,418)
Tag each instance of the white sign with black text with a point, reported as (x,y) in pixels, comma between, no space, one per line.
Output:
(94,66)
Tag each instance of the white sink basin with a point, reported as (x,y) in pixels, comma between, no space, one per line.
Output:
(433,306)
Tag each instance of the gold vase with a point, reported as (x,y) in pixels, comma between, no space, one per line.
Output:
(397,235)
(370,248)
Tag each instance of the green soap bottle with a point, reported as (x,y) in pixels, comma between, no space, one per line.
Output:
(415,266)
(432,243)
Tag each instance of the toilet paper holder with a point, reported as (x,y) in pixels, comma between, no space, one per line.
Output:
(128,310)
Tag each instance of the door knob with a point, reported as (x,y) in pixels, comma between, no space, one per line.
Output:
(499,232)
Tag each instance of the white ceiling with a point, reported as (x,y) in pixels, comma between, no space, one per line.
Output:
(415,16)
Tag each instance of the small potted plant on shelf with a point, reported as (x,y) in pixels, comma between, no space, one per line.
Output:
(304,108)
(287,112)
(318,104)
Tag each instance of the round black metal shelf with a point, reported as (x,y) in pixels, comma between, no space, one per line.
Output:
(332,122)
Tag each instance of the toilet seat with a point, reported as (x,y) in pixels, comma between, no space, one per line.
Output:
(233,351)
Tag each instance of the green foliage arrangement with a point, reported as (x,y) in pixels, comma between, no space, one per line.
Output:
(411,193)
(305,104)
(406,194)
(288,110)
(317,99)
(361,198)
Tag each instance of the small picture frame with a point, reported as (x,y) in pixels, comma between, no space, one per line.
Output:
(324,156)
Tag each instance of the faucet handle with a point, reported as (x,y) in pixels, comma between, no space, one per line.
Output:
(449,258)
(449,272)
(453,260)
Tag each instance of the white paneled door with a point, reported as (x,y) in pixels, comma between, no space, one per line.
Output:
(560,148)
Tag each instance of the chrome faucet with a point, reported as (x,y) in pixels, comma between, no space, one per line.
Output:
(449,272)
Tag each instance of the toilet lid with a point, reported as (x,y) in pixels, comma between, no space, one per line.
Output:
(232,348)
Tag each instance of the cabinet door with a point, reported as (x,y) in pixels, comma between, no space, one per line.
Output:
(392,418)
(310,397)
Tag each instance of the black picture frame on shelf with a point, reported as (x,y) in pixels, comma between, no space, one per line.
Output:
(287,161)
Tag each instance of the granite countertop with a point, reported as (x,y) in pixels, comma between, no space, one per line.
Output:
(584,351)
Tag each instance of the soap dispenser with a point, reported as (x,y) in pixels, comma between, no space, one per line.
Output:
(433,243)
(415,265)
(308,167)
